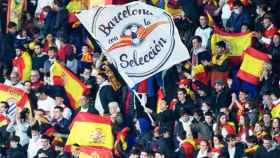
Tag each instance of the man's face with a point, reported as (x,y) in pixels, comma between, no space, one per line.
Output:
(45,143)
(14,78)
(208,119)
(143,154)
(266,23)
(243,96)
(2,108)
(57,114)
(83,101)
(51,54)
(267,144)
(195,44)
(18,52)
(231,142)
(37,50)
(266,118)
(181,96)
(203,21)
(34,76)
(219,87)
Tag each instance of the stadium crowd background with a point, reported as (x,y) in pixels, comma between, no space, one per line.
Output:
(219,116)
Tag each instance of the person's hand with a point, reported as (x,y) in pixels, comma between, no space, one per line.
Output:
(258,35)
(233,97)
(148,110)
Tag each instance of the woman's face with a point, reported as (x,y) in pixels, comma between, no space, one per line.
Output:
(258,128)
(216,140)
(275,123)
(223,119)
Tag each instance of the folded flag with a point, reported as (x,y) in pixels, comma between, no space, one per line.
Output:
(89,130)
(14,96)
(236,42)
(252,65)
(73,86)
(23,65)
(89,152)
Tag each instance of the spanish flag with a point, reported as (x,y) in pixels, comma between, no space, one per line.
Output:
(89,130)
(74,88)
(252,65)
(88,152)
(23,65)
(199,73)
(15,10)
(237,42)
(14,96)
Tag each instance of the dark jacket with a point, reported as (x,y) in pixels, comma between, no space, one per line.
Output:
(7,52)
(221,100)
(62,126)
(239,151)
(262,152)
(236,20)
(16,152)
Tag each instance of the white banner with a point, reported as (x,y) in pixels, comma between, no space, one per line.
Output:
(141,40)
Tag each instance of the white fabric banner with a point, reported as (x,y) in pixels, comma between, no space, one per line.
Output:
(140,40)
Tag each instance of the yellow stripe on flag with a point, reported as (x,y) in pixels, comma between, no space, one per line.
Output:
(237,42)
(73,86)
(27,66)
(91,131)
(252,65)
(275,112)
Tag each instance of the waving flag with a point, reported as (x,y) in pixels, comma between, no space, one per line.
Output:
(139,39)
(252,65)
(90,130)
(15,97)
(23,65)
(199,73)
(236,42)
(74,88)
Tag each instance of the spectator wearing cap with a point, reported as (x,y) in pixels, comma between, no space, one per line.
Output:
(221,96)
(237,17)
(45,102)
(219,64)
(268,149)
(233,149)
(38,58)
(15,149)
(45,147)
(34,143)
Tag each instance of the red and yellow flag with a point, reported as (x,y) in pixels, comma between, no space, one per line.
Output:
(199,73)
(89,130)
(23,65)
(15,10)
(88,152)
(72,84)
(236,42)
(160,98)
(252,65)
(14,96)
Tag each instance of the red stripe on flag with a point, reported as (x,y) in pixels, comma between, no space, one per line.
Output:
(257,54)
(71,100)
(88,117)
(249,77)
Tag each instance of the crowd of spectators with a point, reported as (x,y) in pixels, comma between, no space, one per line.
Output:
(224,118)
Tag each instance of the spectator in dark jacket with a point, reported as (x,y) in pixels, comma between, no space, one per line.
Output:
(15,150)
(268,149)
(238,17)
(59,122)
(46,148)
(61,18)
(7,52)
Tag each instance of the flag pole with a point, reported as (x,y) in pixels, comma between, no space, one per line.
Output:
(143,105)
